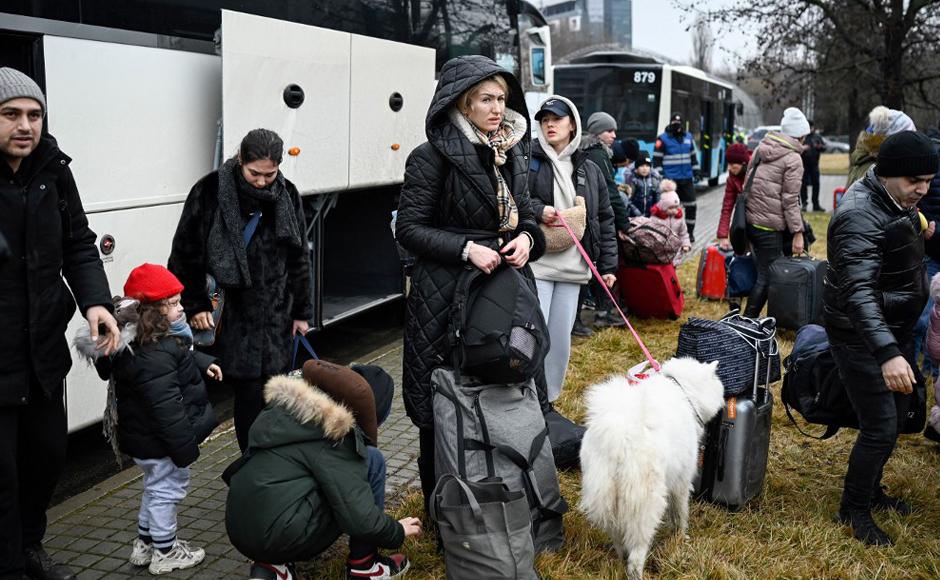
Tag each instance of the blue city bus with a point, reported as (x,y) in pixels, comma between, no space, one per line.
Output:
(642,93)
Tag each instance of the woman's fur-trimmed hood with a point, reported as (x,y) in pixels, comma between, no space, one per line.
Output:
(308,404)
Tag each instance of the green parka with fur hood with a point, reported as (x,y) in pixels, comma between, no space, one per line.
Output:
(304,482)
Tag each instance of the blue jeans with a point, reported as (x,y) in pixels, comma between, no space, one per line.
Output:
(376,472)
(920,329)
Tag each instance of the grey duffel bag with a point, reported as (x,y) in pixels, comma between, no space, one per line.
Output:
(485,431)
(485,530)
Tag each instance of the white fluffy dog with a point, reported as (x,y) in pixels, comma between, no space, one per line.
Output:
(640,453)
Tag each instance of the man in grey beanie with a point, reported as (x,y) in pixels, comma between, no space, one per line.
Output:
(597,145)
(47,234)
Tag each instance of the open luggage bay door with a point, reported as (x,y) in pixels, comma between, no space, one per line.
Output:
(293,79)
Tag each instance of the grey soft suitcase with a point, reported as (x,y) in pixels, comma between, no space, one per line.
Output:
(795,293)
(734,454)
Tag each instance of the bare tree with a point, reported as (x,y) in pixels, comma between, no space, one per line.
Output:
(703,43)
(887,45)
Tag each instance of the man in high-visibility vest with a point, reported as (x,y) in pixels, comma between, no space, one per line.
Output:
(677,158)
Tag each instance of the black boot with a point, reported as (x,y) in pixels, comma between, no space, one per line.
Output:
(882,501)
(41,566)
(864,527)
(580,329)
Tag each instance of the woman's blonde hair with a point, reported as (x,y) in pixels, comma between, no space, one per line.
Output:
(463,101)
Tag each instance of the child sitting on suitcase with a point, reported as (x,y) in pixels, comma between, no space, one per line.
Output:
(312,472)
(157,390)
(668,211)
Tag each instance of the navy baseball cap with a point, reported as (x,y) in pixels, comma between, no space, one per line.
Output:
(555,106)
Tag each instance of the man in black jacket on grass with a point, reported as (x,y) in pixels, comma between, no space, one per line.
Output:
(875,290)
(47,235)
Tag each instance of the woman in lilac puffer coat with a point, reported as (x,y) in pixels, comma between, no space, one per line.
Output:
(932,431)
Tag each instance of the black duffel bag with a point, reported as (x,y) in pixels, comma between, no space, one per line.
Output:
(812,386)
(745,348)
(565,436)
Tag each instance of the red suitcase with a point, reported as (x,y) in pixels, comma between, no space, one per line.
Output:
(712,281)
(651,290)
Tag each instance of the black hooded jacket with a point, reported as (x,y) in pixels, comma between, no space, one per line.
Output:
(42,219)
(449,193)
(600,238)
(876,286)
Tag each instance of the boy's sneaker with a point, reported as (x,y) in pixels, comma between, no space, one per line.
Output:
(180,557)
(141,554)
(378,567)
(264,571)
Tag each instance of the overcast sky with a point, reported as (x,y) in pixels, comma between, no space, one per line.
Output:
(660,27)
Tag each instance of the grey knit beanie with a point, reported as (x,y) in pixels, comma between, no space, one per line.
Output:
(599,122)
(16,85)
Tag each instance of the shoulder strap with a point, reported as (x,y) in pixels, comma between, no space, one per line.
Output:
(535,164)
(251,227)
(755,163)
(830,429)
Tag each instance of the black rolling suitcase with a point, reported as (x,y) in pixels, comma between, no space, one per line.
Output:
(733,453)
(795,295)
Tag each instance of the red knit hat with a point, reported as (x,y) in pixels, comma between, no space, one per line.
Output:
(738,153)
(151,282)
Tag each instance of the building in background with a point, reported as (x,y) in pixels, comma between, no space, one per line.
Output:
(582,24)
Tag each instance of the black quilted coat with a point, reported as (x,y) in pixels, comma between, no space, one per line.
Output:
(163,408)
(448,191)
(876,286)
(600,239)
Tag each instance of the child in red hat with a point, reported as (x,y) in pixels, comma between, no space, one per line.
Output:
(158,409)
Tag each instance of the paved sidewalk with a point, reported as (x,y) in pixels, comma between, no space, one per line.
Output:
(93,531)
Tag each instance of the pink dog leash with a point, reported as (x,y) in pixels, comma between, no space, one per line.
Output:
(653,363)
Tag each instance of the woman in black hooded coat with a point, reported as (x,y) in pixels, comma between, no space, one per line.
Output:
(469,175)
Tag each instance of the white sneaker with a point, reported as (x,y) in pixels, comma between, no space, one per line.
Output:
(180,557)
(141,554)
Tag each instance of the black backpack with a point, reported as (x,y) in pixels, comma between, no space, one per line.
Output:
(497,330)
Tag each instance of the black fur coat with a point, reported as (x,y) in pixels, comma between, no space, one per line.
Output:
(254,335)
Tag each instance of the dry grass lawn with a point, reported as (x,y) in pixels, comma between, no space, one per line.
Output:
(834,164)
(787,533)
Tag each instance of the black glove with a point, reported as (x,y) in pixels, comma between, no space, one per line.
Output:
(696,175)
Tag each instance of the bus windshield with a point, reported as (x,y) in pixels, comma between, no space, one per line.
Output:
(630,95)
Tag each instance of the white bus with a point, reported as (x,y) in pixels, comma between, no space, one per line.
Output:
(147,96)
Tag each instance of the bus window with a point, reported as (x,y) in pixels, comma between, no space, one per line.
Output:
(537,58)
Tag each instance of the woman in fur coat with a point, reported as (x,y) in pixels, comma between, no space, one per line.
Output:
(268,286)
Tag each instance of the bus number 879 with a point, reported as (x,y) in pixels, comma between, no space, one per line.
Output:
(644,77)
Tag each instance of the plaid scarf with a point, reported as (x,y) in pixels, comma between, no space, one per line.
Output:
(512,129)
